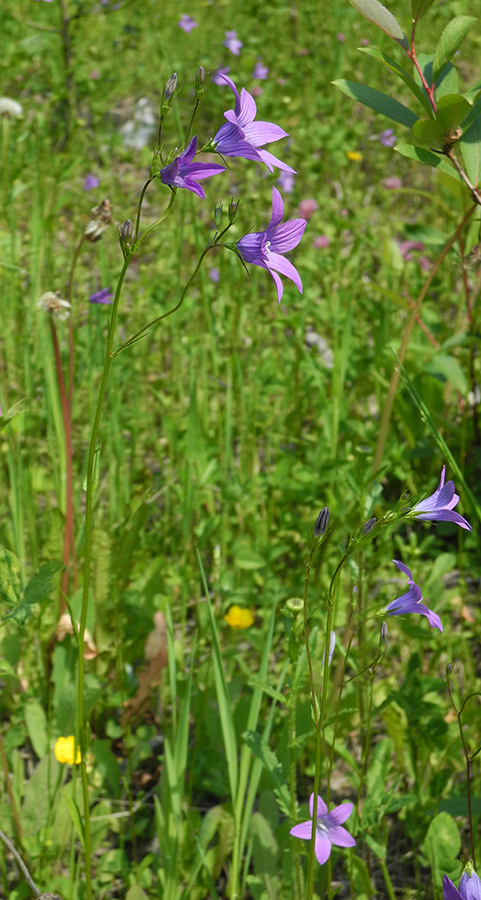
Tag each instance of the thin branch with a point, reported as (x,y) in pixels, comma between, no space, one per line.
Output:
(22,865)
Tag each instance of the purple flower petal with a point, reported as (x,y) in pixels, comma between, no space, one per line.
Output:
(410,602)
(449,891)
(104,296)
(439,506)
(266,248)
(339,814)
(322,847)
(241,137)
(303,830)
(470,886)
(340,837)
(187,23)
(91,182)
(184,173)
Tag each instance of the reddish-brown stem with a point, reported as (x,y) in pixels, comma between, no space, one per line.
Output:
(69,522)
(412,56)
(430,336)
(389,403)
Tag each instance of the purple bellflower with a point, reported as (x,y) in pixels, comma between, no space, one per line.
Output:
(104,296)
(91,182)
(328,829)
(469,886)
(232,42)
(411,602)
(241,136)
(185,173)
(260,71)
(439,507)
(187,23)
(266,248)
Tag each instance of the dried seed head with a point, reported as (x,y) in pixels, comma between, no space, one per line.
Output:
(9,107)
(101,219)
(321,522)
(53,304)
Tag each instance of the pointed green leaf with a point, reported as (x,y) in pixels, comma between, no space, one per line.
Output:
(398,70)
(380,103)
(474,112)
(96,469)
(429,132)
(425,156)
(376,13)
(75,816)
(451,110)
(38,588)
(470,146)
(451,39)
(419,7)
(270,761)
(447,82)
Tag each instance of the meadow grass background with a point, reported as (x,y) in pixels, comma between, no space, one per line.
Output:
(222,436)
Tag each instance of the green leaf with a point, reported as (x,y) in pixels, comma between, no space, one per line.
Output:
(401,73)
(474,112)
(447,82)
(451,38)
(429,132)
(75,816)
(410,151)
(249,559)
(452,109)
(441,844)
(419,7)
(36,723)
(270,762)
(449,368)
(38,588)
(377,101)
(10,587)
(135,892)
(470,146)
(14,410)
(376,13)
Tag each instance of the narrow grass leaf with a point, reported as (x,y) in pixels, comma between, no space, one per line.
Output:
(75,816)
(223,698)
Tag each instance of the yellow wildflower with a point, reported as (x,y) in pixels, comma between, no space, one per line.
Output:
(239,618)
(64,750)
(354,156)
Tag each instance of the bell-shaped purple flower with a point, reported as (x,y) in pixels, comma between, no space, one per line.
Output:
(266,248)
(241,136)
(185,173)
(440,505)
(469,886)
(328,828)
(411,602)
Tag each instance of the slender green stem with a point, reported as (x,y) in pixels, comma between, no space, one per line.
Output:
(81,725)
(387,879)
(139,208)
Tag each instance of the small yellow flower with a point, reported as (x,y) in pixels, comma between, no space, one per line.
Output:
(354,156)
(239,618)
(64,750)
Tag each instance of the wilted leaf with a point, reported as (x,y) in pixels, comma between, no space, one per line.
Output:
(377,101)
(451,39)
(376,13)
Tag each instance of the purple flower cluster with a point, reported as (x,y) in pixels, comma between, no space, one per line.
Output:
(241,136)
(439,507)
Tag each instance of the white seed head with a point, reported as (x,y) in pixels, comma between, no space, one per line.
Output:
(53,304)
(9,107)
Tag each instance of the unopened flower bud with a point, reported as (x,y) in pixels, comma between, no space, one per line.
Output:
(322,522)
(384,634)
(369,525)
(295,605)
(200,79)
(218,216)
(170,87)
(126,232)
(233,209)
(449,668)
